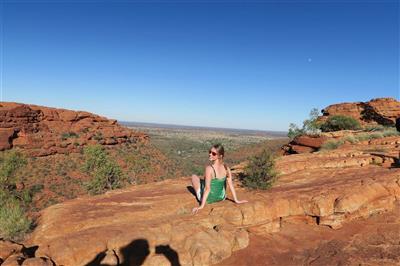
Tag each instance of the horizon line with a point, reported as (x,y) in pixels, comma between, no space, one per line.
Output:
(207,127)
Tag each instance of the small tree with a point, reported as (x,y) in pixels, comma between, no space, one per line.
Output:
(95,157)
(340,122)
(105,172)
(310,126)
(260,172)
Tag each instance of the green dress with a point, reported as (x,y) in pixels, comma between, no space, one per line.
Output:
(217,188)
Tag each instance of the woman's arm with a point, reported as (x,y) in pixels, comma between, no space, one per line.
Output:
(206,191)
(232,188)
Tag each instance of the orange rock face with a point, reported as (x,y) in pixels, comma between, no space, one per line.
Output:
(322,189)
(304,144)
(44,131)
(382,111)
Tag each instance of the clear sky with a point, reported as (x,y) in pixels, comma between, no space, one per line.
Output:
(235,64)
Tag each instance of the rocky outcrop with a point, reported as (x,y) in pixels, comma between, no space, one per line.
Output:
(303,144)
(380,111)
(12,253)
(44,131)
(153,223)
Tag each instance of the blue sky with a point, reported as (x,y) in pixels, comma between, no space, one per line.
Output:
(235,64)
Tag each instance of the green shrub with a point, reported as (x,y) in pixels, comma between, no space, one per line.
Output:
(332,144)
(370,128)
(10,162)
(363,137)
(105,173)
(389,132)
(95,157)
(340,122)
(350,139)
(377,135)
(98,136)
(310,126)
(295,131)
(13,221)
(67,135)
(260,172)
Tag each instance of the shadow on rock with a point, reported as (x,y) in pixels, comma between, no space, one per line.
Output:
(193,192)
(169,253)
(136,253)
(30,251)
(97,260)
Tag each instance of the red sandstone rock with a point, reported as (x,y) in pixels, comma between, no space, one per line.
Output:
(322,189)
(380,111)
(14,260)
(303,144)
(383,111)
(309,141)
(37,262)
(6,137)
(8,248)
(44,131)
(301,149)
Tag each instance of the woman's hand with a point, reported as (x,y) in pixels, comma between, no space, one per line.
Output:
(195,210)
(240,201)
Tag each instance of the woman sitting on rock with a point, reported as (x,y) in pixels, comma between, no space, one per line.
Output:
(212,188)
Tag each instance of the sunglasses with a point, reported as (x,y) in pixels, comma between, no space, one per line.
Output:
(212,152)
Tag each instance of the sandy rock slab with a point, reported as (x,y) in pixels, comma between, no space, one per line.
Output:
(152,224)
(372,241)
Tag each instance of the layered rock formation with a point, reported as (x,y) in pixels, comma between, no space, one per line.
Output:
(380,111)
(303,144)
(43,131)
(152,223)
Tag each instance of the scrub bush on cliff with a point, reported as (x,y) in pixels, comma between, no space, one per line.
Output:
(105,173)
(10,162)
(13,221)
(260,172)
(340,122)
(310,126)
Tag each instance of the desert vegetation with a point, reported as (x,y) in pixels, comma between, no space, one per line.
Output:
(377,133)
(105,173)
(188,148)
(260,172)
(313,127)
(339,122)
(310,126)
(29,184)
(13,200)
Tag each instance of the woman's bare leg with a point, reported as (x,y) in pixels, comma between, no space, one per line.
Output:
(196,183)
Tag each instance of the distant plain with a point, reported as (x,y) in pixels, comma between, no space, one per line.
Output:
(188,146)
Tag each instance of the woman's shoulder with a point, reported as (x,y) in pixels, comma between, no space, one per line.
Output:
(226,167)
(208,167)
